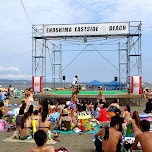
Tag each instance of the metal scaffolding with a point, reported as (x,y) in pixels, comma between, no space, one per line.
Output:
(129,51)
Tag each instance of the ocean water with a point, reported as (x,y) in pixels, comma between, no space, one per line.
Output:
(23,86)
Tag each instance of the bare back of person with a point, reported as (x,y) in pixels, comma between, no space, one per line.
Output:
(45,126)
(42,149)
(26,130)
(145,140)
(110,145)
(136,129)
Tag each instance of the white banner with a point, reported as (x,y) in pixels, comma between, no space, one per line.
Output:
(136,85)
(37,84)
(53,30)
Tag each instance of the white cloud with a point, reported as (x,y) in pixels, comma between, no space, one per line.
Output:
(16,76)
(9,69)
(13,73)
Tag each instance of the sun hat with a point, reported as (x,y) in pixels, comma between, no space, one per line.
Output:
(65,111)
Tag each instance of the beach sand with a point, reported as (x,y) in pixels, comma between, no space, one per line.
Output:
(72,142)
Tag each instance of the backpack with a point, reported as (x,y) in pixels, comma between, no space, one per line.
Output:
(62,149)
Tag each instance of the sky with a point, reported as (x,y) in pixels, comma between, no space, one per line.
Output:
(16,33)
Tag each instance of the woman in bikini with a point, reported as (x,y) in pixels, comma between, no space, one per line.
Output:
(44,124)
(26,126)
(35,117)
(134,124)
(126,113)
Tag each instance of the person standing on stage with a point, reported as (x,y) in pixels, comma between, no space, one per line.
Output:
(75,80)
(100,95)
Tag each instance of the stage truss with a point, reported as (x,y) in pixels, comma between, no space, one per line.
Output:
(129,51)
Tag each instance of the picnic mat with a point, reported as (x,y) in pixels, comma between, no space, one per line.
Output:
(71,131)
(14,105)
(10,139)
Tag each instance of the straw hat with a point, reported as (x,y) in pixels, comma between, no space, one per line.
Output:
(65,111)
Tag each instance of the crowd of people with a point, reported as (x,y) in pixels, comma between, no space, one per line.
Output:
(33,121)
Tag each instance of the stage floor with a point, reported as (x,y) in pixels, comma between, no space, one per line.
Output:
(89,92)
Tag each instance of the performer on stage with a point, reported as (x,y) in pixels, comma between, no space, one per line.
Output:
(100,95)
(75,80)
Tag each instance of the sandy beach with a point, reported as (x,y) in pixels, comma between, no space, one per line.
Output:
(72,142)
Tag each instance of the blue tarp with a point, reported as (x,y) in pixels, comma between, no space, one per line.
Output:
(95,83)
(115,83)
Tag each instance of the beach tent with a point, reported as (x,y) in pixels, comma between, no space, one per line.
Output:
(95,83)
(114,85)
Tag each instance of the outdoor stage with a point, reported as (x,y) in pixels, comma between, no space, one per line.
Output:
(123,96)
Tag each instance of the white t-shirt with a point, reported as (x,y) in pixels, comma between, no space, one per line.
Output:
(74,81)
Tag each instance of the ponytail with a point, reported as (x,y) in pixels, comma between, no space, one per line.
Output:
(44,115)
(25,116)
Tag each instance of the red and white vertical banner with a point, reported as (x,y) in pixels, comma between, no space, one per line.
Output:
(37,84)
(136,84)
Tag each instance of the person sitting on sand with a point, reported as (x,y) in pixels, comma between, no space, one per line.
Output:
(112,108)
(144,138)
(35,117)
(26,126)
(119,119)
(111,138)
(148,106)
(19,117)
(45,106)
(133,126)
(65,121)
(29,101)
(103,115)
(96,111)
(126,113)
(84,119)
(60,105)
(3,109)
(101,103)
(40,138)
(44,124)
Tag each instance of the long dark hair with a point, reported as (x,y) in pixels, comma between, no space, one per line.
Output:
(21,111)
(128,108)
(44,115)
(45,105)
(30,110)
(95,106)
(25,116)
(137,118)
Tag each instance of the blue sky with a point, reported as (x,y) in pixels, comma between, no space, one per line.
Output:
(16,32)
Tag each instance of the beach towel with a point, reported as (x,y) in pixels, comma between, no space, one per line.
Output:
(10,139)
(14,105)
(71,131)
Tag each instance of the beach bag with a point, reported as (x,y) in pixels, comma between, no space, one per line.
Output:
(62,149)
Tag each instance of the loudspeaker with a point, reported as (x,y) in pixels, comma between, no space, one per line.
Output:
(115,78)
(64,77)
